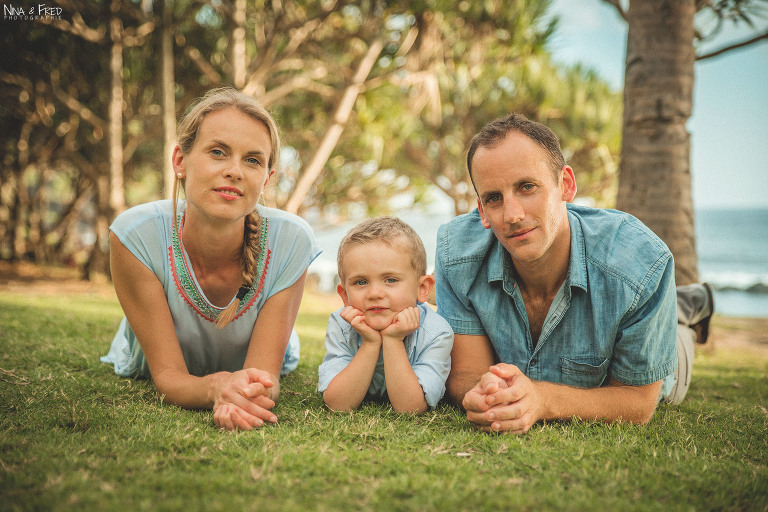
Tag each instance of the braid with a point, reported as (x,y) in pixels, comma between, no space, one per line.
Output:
(251,246)
(249,255)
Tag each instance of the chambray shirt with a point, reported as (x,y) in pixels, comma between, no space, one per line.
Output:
(615,316)
(428,348)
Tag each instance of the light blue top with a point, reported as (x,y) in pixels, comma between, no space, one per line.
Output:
(428,348)
(614,316)
(288,247)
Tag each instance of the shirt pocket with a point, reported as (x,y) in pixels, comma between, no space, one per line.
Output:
(584,372)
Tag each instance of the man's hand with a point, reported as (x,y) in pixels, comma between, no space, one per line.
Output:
(504,400)
(476,400)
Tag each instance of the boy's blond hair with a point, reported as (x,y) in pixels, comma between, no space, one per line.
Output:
(393,232)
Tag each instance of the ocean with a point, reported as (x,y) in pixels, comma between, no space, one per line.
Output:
(732,245)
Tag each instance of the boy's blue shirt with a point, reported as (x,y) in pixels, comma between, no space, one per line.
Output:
(614,317)
(428,348)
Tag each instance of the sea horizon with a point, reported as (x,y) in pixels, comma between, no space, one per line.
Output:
(732,249)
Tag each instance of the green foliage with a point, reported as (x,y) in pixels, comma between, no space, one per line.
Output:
(446,69)
(75,436)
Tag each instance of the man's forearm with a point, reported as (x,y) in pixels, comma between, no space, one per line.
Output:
(458,384)
(615,402)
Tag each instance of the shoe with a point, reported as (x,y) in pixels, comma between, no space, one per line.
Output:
(702,327)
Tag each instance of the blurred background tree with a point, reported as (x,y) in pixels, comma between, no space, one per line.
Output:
(655,177)
(376,100)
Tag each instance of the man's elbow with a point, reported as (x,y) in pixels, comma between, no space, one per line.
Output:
(638,403)
(645,414)
(641,414)
(454,391)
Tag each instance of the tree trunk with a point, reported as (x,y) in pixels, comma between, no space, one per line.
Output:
(169,101)
(239,62)
(98,260)
(655,177)
(331,138)
(117,192)
(19,217)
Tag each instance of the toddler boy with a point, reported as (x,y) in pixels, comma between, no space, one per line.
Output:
(385,341)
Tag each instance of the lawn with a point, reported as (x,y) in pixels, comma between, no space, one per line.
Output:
(73,436)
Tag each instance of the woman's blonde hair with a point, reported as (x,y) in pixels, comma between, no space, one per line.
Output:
(186,135)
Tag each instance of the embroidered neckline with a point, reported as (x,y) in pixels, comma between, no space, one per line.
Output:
(187,287)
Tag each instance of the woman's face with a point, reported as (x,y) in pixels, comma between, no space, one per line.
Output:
(228,166)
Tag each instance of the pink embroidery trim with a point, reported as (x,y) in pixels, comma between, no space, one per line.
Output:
(183,292)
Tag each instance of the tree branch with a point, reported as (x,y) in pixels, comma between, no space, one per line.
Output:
(301,81)
(204,66)
(617,5)
(261,68)
(19,80)
(77,27)
(136,36)
(732,47)
(331,138)
(74,105)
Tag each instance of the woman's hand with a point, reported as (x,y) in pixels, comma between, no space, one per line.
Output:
(242,400)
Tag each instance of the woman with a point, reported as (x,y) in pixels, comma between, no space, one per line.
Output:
(211,288)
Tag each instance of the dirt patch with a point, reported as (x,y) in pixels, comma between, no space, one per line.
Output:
(750,334)
(25,277)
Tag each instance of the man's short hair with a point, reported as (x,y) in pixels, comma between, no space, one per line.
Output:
(393,232)
(494,132)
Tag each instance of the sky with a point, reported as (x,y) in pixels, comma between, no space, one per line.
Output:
(729,125)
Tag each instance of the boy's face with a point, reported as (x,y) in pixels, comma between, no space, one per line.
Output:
(379,280)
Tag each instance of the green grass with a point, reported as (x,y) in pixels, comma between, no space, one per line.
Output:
(75,436)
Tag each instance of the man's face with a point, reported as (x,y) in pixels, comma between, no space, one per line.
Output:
(520,199)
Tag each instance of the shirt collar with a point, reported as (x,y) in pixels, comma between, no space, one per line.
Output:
(500,267)
(577,267)
(500,264)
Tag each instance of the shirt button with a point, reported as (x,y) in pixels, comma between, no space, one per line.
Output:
(533,363)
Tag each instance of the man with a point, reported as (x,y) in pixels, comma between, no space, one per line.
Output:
(559,311)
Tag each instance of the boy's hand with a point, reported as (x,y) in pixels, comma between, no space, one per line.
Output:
(406,322)
(356,319)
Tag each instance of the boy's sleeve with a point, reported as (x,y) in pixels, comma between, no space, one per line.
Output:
(338,351)
(433,359)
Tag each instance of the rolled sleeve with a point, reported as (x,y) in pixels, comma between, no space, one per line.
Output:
(452,306)
(646,346)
